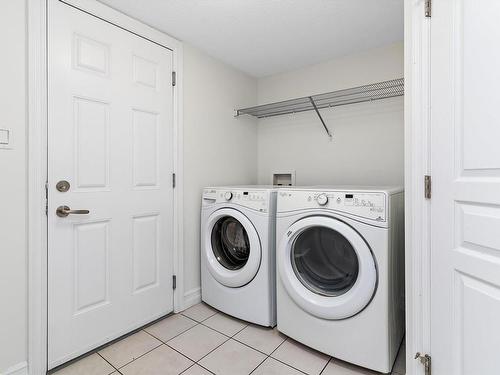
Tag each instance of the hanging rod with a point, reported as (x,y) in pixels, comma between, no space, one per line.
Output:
(360,94)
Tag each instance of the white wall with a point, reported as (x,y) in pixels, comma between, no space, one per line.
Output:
(367,146)
(13,277)
(218,148)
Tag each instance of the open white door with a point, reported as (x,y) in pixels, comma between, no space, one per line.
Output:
(110,137)
(465,204)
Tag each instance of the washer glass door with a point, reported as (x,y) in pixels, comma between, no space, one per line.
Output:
(326,267)
(232,248)
(230,243)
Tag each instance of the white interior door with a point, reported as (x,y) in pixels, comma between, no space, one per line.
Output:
(110,135)
(465,204)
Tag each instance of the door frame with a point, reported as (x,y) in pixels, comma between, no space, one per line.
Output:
(417,164)
(37,162)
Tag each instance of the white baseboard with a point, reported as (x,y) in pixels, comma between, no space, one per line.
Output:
(192,297)
(19,369)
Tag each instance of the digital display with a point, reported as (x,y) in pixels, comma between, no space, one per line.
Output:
(348,196)
(245,193)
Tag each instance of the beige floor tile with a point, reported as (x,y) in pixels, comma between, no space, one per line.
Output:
(301,357)
(273,367)
(199,312)
(160,361)
(130,348)
(263,339)
(196,370)
(170,327)
(90,365)
(336,367)
(225,324)
(197,342)
(232,358)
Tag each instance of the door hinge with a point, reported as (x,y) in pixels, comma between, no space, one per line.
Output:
(174,281)
(425,359)
(174,78)
(46,198)
(173,180)
(428,8)
(427,187)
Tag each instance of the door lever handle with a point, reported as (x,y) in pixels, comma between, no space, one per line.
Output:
(63,211)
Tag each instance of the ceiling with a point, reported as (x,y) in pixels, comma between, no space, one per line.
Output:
(265,37)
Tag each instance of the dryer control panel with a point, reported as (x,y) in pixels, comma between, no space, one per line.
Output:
(369,205)
(258,200)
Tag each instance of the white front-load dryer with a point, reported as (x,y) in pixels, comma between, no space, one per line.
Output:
(340,261)
(238,273)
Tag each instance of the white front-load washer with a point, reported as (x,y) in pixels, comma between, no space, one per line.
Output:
(238,273)
(340,261)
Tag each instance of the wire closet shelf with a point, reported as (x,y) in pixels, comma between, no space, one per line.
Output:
(360,94)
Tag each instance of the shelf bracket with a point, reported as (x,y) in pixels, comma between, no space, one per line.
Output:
(320,117)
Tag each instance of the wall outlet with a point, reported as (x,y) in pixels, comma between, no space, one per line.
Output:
(5,138)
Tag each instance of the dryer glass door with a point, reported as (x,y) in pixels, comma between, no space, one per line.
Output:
(324,261)
(327,267)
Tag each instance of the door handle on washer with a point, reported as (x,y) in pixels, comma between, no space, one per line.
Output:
(63,211)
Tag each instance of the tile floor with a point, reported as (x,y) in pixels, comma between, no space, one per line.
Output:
(203,341)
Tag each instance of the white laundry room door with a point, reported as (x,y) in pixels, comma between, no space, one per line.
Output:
(465,203)
(110,194)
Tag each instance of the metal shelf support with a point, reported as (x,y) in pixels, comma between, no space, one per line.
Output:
(320,117)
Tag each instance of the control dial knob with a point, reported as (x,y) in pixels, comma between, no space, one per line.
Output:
(228,195)
(322,199)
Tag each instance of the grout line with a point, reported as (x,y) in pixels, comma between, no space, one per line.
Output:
(203,367)
(265,359)
(279,360)
(246,325)
(187,317)
(173,337)
(222,333)
(99,354)
(214,312)
(175,350)
(193,364)
(227,339)
(289,365)
(217,347)
(330,360)
(257,350)
(197,364)
(197,324)
(286,339)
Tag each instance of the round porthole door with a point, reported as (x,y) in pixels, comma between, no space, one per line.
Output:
(232,248)
(327,268)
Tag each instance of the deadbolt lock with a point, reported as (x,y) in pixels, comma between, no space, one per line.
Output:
(63,186)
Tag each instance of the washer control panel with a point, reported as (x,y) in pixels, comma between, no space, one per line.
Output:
(370,205)
(254,199)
